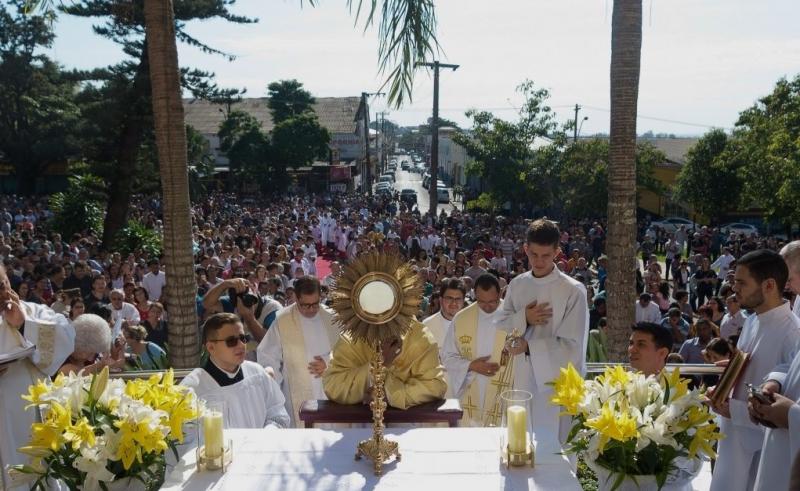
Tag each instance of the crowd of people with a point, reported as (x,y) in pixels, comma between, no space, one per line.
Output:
(264,272)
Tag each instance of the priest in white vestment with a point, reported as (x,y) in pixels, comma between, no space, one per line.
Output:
(548,311)
(252,398)
(772,338)
(478,367)
(781,444)
(298,345)
(47,339)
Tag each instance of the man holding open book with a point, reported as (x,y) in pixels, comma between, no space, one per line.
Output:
(771,336)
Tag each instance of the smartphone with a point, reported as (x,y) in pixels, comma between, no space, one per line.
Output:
(756,393)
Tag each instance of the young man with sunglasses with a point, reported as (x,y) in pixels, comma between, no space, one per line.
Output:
(254,399)
(298,344)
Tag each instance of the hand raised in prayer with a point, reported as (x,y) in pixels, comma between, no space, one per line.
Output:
(10,306)
(776,413)
(317,367)
(538,314)
(391,349)
(483,366)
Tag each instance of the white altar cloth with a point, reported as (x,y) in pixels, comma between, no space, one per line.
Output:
(442,459)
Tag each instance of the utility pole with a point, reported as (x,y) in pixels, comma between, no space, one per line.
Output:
(366,176)
(433,195)
(382,125)
(577,129)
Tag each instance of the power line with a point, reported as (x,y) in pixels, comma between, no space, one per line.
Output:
(564,106)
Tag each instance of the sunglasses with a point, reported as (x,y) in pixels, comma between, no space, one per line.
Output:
(232,341)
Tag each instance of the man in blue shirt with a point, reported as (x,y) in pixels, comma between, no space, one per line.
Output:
(692,349)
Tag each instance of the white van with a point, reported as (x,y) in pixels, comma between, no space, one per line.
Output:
(442,195)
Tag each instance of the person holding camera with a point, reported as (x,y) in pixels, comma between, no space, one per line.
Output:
(234,296)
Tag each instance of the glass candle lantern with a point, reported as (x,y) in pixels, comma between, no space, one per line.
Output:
(516,441)
(214,451)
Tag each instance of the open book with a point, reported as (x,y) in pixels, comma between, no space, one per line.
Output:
(17,354)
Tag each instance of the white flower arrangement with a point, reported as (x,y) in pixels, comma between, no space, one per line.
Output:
(95,430)
(635,425)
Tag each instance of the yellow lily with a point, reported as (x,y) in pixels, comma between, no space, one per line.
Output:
(35,393)
(609,425)
(678,386)
(703,439)
(568,390)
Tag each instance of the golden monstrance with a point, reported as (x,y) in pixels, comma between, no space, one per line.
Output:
(375,299)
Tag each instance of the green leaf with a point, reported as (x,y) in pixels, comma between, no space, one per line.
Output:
(618,481)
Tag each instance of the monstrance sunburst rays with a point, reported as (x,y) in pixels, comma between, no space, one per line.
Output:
(359,323)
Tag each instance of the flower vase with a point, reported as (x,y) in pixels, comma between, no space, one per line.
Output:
(678,480)
(126,484)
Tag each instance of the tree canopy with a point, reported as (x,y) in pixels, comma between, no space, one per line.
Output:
(709,180)
(288,98)
(37,110)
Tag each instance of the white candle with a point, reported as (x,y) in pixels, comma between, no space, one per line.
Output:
(517,429)
(212,433)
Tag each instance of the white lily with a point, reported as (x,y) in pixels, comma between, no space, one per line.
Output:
(93,462)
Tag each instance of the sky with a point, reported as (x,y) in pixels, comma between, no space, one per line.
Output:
(703,61)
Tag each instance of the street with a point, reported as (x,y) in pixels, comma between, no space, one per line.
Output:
(407,179)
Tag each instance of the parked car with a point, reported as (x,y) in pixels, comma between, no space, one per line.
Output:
(671,224)
(739,228)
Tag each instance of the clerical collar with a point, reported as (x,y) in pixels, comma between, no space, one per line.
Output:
(223,377)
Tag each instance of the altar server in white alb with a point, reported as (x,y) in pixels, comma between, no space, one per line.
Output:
(781,444)
(25,325)
(548,311)
(478,369)
(298,346)
(451,300)
(772,338)
(253,399)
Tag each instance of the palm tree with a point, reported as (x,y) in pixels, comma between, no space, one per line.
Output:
(170,133)
(626,47)
(407,35)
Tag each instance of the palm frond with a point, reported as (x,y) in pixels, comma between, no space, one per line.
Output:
(407,35)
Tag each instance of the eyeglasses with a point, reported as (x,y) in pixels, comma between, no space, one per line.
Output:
(232,341)
(308,306)
(453,299)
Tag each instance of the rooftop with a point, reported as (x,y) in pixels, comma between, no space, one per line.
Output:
(337,114)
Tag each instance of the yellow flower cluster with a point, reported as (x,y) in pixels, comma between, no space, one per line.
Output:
(568,390)
(160,393)
(613,425)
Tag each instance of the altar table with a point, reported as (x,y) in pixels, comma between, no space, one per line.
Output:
(442,411)
(441,459)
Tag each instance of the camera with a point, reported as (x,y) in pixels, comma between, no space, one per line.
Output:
(247,298)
